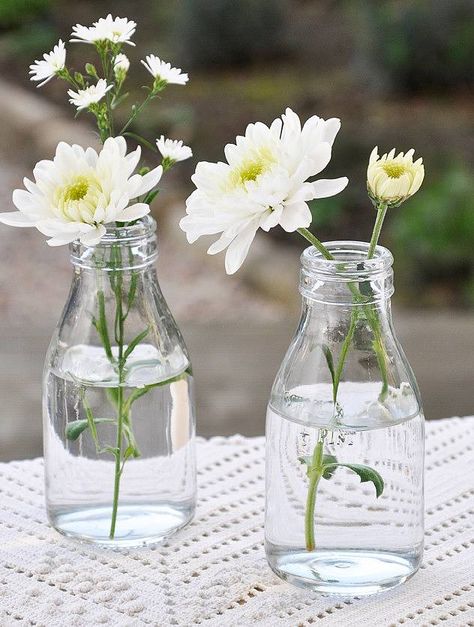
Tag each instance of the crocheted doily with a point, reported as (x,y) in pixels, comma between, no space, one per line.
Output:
(214,572)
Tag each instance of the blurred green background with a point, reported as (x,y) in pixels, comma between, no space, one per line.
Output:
(397,73)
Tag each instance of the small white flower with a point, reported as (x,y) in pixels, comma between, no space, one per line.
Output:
(263,184)
(173,150)
(392,179)
(115,30)
(80,191)
(162,71)
(121,65)
(83,98)
(49,65)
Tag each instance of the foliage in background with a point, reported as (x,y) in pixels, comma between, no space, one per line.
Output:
(434,236)
(228,33)
(419,44)
(15,12)
(26,26)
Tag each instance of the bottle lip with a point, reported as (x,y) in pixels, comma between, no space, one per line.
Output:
(350,260)
(144,227)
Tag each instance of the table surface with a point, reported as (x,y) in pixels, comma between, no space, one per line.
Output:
(214,572)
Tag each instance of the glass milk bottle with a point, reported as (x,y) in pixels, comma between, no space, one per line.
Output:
(118,403)
(345,435)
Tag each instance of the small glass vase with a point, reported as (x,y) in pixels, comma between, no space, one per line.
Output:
(118,406)
(345,435)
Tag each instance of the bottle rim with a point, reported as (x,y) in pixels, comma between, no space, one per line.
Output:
(143,227)
(350,260)
(139,238)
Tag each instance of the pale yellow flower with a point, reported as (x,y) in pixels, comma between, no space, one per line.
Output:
(392,179)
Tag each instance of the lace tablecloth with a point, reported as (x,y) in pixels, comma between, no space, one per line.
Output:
(214,572)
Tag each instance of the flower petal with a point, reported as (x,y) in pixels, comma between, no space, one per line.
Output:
(324,188)
(239,248)
(16,218)
(138,210)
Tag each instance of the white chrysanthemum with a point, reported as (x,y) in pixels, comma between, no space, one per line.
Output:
(83,98)
(263,184)
(173,150)
(121,65)
(162,71)
(80,191)
(116,30)
(51,63)
(392,179)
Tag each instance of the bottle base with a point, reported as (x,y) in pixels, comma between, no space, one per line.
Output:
(344,572)
(136,525)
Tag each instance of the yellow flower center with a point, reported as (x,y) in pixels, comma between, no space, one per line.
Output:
(250,171)
(79,198)
(76,190)
(394,170)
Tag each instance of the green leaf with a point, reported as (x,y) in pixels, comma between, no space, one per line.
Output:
(329,360)
(367,474)
(306,459)
(112,395)
(132,291)
(75,428)
(133,344)
(101,325)
(329,466)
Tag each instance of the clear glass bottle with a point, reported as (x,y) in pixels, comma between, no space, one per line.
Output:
(118,403)
(345,435)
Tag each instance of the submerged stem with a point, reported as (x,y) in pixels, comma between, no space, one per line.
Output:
(314,473)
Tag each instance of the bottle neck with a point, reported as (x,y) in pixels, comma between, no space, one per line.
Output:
(122,249)
(349,279)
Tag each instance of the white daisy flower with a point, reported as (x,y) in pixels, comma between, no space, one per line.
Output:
(393,179)
(115,30)
(51,63)
(83,98)
(173,150)
(163,72)
(121,65)
(77,193)
(263,184)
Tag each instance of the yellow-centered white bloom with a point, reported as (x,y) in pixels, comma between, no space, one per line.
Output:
(164,72)
(51,63)
(392,179)
(263,184)
(79,191)
(173,150)
(83,98)
(121,66)
(113,29)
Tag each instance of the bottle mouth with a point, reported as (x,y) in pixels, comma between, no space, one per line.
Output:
(138,241)
(350,261)
(144,227)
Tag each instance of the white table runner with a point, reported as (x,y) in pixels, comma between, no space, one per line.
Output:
(214,572)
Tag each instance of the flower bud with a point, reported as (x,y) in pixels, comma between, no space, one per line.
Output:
(393,179)
(121,66)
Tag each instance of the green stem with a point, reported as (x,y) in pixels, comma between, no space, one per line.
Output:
(312,239)
(343,354)
(119,337)
(314,473)
(136,110)
(381,212)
